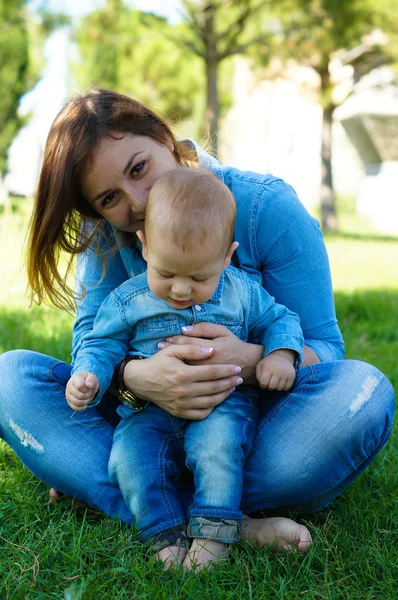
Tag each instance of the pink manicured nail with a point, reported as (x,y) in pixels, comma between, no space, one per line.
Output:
(188,328)
(161,345)
(239,380)
(169,339)
(237,370)
(206,349)
(231,390)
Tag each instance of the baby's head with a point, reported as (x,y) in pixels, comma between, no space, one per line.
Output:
(188,239)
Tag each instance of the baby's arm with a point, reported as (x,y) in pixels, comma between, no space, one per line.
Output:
(276,371)
(81,389)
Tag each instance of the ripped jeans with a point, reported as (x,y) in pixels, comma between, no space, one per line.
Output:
(312,442)
(154,455)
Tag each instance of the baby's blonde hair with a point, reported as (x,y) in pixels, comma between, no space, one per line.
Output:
(192,207)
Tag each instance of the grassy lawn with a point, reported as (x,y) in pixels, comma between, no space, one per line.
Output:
(71,552)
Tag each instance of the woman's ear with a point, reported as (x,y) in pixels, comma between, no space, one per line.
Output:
(142,237)
(230,252)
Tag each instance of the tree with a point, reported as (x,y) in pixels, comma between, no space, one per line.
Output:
(14,64)
(217,30)
(131,51)
(315,32)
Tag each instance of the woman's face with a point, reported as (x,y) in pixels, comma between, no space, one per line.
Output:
(122,174)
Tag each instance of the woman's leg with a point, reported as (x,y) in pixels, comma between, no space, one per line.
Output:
(68,451)
(315,440)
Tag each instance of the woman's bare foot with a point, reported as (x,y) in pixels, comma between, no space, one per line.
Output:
(276,531)
(205,553)
(171,556)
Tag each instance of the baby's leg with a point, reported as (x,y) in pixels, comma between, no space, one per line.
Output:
(204,554)
(145,462)
(216,449)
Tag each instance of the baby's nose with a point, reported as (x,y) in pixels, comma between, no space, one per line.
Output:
(181,289)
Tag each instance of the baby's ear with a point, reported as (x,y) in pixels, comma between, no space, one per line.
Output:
(141,236)
(229,254)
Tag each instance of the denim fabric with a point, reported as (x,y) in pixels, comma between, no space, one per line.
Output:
(147,462)
(280,245)
(133,321)
(311,443)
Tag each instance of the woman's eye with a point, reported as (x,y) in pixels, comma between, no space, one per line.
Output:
(136,170)
(108,200)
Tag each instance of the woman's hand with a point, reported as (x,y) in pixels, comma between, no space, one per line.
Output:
(183,390)
(228,349)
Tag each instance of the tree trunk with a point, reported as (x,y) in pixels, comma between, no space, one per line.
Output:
(212,106)
(212,62)
(328,200)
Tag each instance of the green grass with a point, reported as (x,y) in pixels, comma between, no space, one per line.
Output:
(74,553)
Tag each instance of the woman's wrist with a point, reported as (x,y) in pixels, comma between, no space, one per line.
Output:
(249,360)
(130,377)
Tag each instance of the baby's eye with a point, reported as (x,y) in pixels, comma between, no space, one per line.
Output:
(199,279)
(136,170)
(108,200)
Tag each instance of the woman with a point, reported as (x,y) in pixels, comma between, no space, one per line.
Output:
(103,154)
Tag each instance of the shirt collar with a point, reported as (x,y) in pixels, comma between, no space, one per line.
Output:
(207,161)
(216,297)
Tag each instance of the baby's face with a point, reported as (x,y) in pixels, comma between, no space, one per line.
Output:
(181,278)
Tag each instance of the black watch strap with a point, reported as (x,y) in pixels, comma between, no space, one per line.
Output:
(125,396)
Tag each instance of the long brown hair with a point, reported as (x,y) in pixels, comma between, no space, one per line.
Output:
(60,211)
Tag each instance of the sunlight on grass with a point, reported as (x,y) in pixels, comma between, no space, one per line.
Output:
(361,264)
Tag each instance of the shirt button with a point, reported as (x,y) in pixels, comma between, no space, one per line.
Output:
(197,307)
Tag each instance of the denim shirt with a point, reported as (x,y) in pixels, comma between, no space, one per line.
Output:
(280,246)
(132,320)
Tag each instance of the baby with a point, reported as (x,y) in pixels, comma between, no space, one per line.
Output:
(188,245)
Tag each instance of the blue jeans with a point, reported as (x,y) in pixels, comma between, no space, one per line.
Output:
(311,443)
(147,463)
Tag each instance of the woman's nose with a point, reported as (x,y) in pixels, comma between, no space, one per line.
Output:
(137,199)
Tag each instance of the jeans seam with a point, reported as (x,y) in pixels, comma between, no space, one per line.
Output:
(162,476)
(51,377)
(289,396)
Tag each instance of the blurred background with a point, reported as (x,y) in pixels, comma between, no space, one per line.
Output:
(304,89)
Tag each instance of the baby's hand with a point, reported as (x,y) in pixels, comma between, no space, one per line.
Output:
(81,389)
(276,371)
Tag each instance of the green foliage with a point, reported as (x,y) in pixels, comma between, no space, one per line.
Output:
(313,31)
(14,62)
(132,52)
(234,26)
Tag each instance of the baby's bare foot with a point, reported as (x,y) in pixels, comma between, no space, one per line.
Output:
(276,531)
(171,556)
(204,554)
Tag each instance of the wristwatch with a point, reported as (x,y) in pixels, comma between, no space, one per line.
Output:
(125,396)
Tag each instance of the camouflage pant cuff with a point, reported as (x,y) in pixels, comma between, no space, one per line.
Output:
(176,536)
